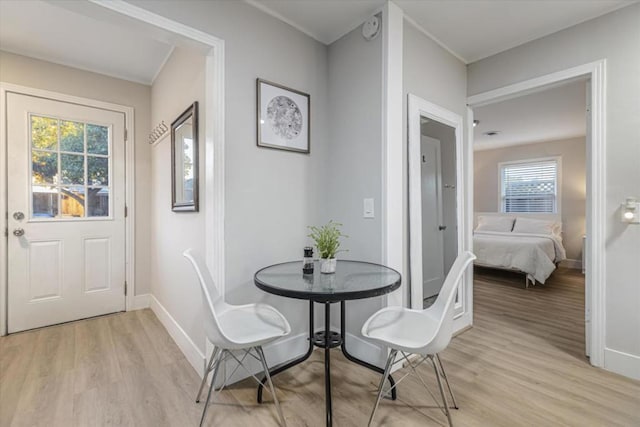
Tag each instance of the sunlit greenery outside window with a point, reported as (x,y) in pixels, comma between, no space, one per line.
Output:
(69,168)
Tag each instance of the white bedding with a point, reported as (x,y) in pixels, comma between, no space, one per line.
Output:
(533,254)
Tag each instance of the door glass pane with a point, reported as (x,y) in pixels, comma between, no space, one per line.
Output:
(98,202)
(72,200)
(72,169)
(44,133)
(44,167)
(45,201)
(72,136)
(98,170)
(97,139)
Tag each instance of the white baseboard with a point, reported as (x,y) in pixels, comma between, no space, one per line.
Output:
(365,350)
(622,363)
(191,352)
(292,347)
(571,263)
(276,353)
(141,302)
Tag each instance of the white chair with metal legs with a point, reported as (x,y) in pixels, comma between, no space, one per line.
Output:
(235,328)
(423,332)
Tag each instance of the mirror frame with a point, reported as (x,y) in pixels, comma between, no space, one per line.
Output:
(192,206)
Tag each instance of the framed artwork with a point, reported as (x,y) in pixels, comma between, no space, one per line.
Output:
(283,117)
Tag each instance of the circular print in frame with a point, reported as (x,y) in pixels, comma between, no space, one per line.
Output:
(285,117)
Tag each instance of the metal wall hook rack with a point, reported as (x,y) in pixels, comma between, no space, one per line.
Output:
(158,133)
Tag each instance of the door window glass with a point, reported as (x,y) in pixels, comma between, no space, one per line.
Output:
(70,168)
(97,139)
(71,136)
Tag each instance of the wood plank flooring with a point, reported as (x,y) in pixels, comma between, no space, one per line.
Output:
(521,364)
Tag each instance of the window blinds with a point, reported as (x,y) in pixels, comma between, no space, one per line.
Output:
(529,187)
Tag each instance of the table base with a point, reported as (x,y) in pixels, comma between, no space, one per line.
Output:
(318,339)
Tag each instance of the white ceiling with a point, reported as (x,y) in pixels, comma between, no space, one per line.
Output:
(553,114)
(473,30)
(45,31)
(470,29)
(324,20)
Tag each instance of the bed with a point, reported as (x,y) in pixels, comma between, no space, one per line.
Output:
(529,244)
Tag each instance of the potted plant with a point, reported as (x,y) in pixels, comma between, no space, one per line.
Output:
(327,240)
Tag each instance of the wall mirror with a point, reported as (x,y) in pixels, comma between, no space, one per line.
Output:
(184,161)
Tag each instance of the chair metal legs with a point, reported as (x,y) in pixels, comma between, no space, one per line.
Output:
(216,352)
(446,380)
(387,371)
(442,393)
(268,378)
(216,369)
(438,368)
(216,360)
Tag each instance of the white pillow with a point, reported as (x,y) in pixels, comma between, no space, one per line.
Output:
(495,223)
(537,226)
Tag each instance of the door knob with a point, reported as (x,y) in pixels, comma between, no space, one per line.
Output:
(442,227)
(18,232)
(18,216)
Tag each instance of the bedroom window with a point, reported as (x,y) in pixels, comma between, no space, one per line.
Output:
(530,186)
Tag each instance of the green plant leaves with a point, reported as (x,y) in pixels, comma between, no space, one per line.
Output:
(327,238)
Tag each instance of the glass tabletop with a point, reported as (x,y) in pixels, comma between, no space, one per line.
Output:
(352,280)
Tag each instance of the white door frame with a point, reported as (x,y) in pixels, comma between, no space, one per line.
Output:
(128,112)
(393,175)
(417,108)
(596,181)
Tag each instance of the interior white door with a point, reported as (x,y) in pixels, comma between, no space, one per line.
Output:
(432,224)
(65,199)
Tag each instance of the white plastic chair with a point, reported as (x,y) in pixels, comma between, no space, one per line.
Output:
(231,328)
(424,332)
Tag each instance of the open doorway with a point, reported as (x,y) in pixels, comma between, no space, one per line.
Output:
(594,241)
(530,191)
(114,23)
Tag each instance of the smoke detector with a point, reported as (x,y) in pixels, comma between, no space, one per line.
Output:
(371,28)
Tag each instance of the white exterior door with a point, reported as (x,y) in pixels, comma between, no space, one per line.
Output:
(432,224)
(65,200)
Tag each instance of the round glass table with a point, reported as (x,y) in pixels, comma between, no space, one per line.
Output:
(352,280)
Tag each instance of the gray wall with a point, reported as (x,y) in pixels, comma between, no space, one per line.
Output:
(271,195)
(354,160)
(616,37)
(435,75)
(173,282)
(39,74)
(573,189)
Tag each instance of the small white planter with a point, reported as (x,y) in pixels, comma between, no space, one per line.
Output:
(328,265)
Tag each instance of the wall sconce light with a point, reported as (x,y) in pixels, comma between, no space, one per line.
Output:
(630,211)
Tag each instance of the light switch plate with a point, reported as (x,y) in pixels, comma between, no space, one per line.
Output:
(368,208)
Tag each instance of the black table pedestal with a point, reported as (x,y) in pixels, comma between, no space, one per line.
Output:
(327,362)
(319,339)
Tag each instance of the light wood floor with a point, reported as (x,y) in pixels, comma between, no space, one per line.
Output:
(520,365)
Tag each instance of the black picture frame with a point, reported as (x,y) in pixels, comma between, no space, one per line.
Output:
(283,117)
